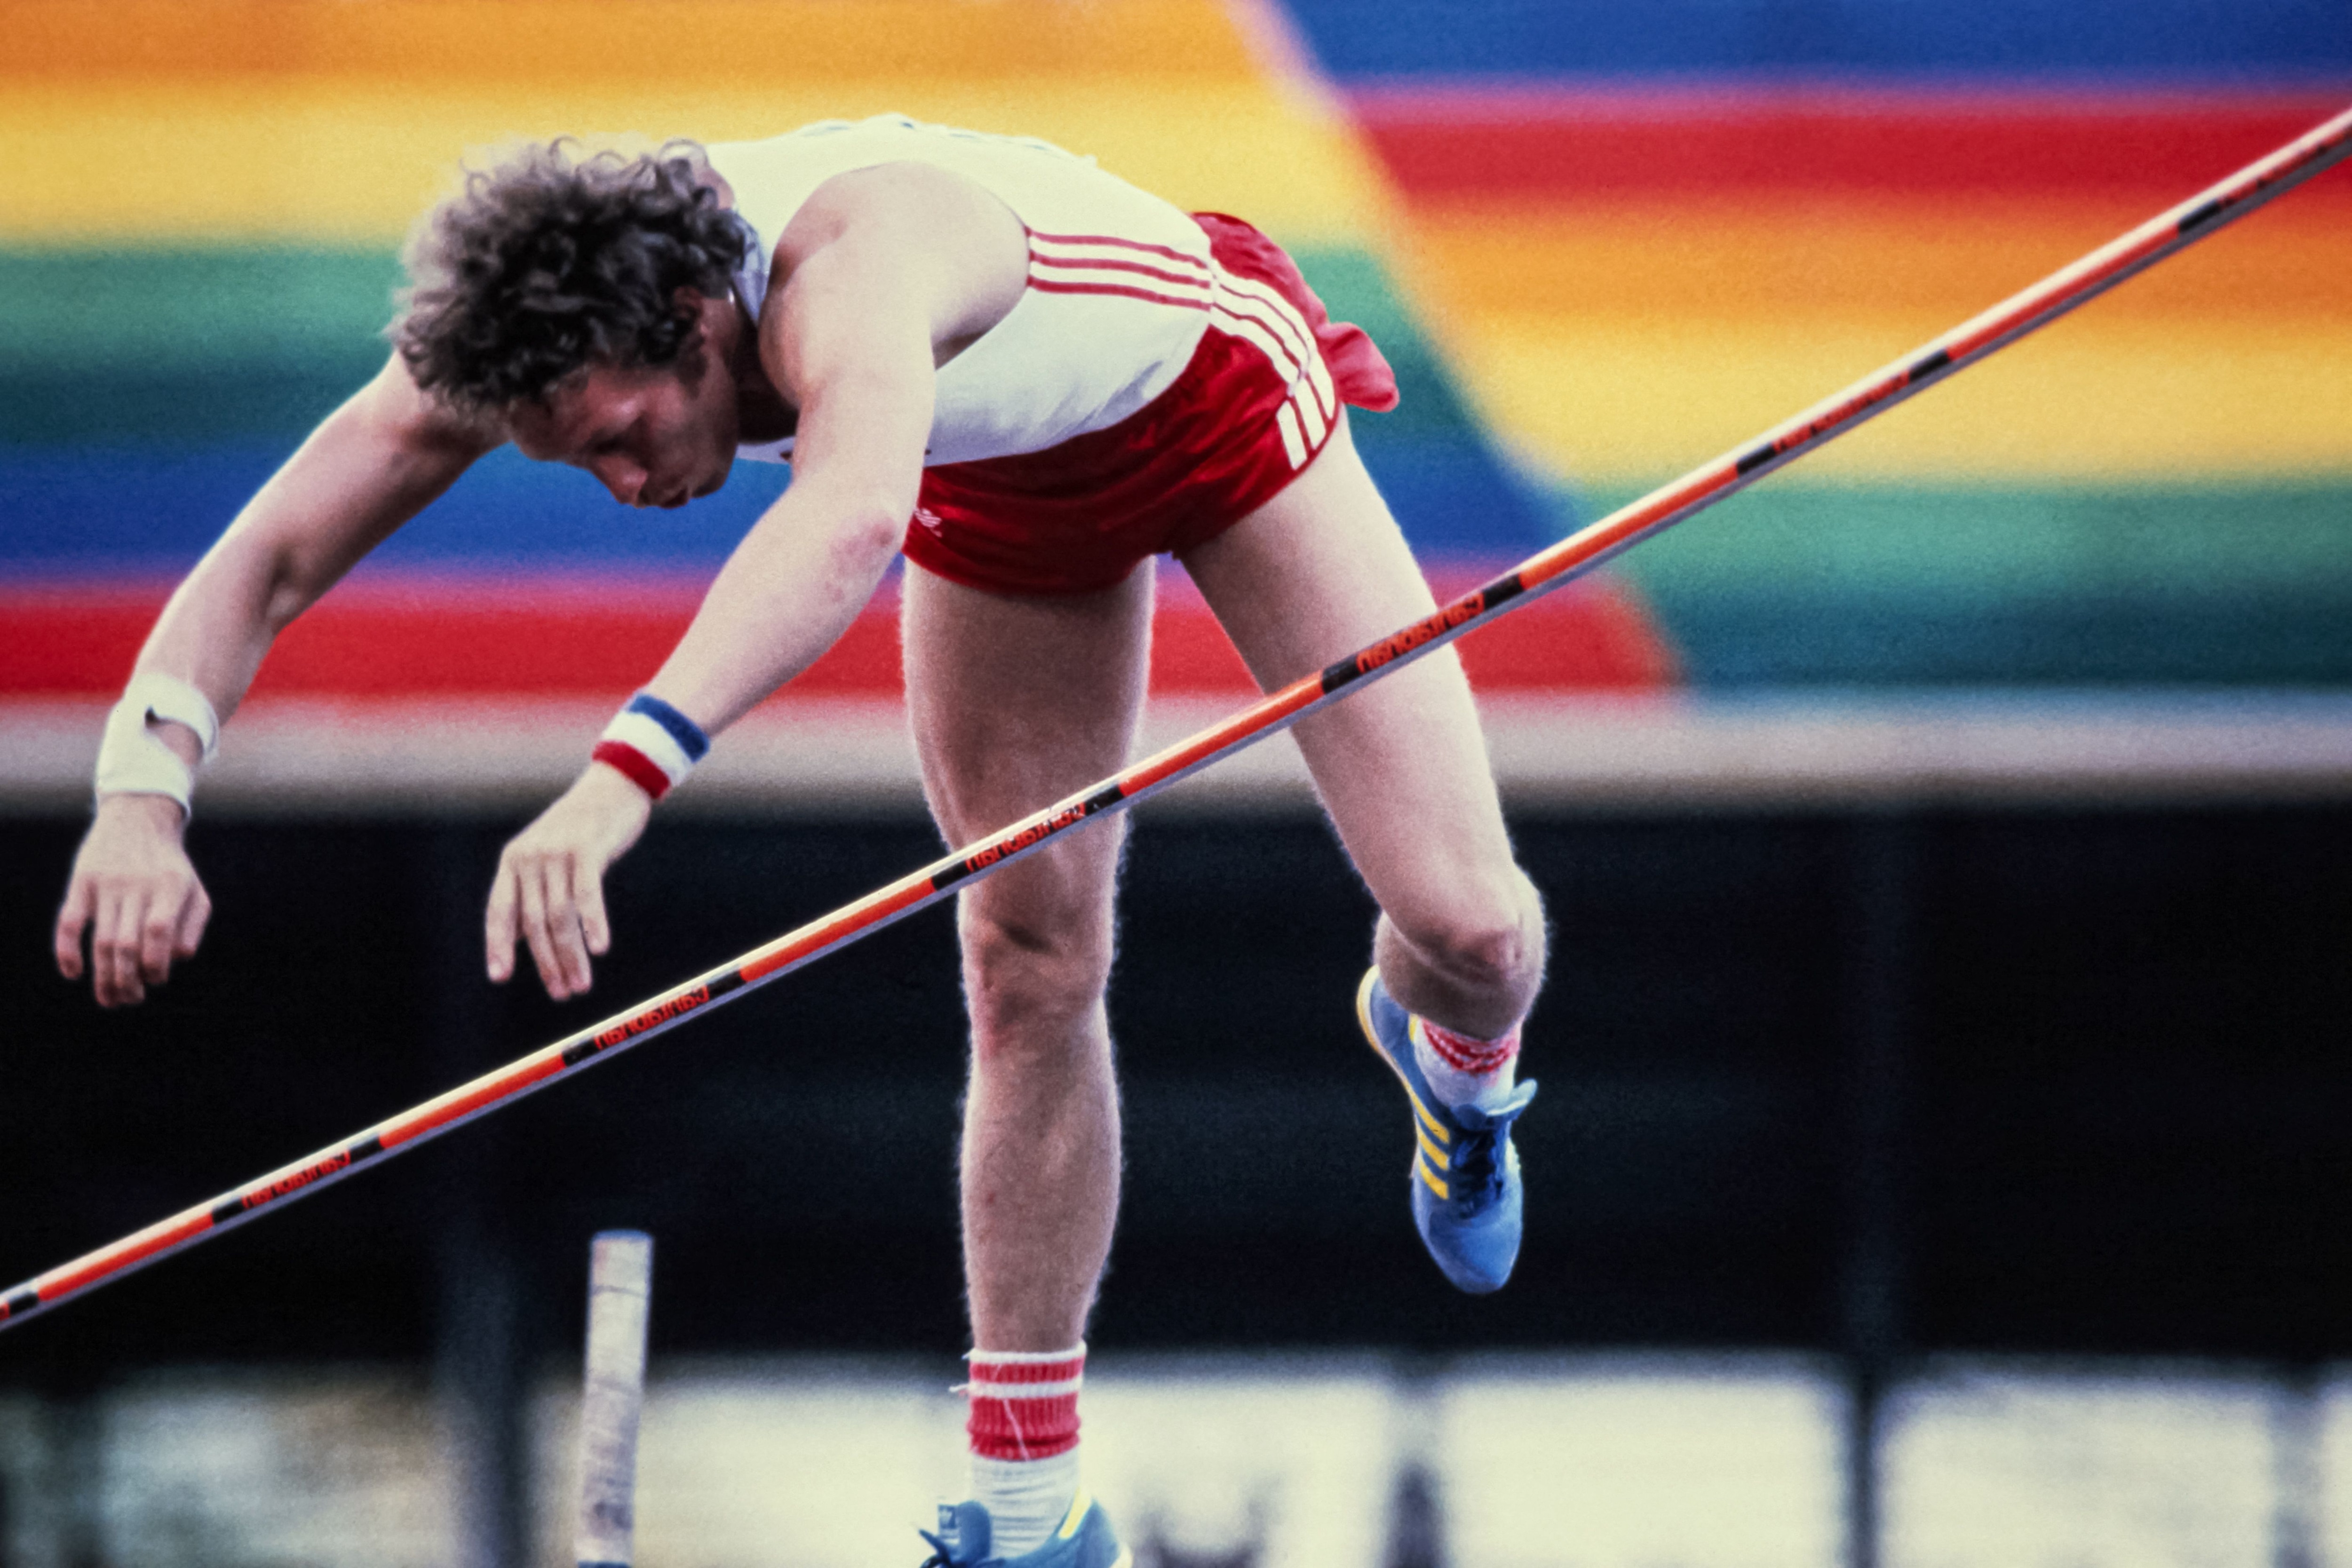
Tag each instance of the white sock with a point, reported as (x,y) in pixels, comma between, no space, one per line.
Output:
(1462,1070)
(1026,1498)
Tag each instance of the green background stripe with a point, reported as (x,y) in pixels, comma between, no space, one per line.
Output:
(166,309)
(1357,288)
(206,343)
(1801,582)
(185,346)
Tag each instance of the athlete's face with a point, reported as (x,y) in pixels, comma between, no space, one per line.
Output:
(654,437)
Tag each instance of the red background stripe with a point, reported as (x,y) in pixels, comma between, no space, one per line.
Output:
(1561,146)
(81,641)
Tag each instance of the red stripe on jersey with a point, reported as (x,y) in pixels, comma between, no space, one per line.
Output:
(1092,265)
(1110,239)
(1268,321)
(1278,353)
(1268,312)
(1050,286)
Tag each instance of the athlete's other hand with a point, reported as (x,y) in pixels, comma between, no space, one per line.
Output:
(550,885)
(134,890)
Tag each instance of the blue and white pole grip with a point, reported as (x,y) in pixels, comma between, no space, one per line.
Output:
(620,1298)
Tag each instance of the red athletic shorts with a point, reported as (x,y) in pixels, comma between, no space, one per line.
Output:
(1220,443)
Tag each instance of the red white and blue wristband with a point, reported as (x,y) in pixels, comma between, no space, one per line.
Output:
(653,744)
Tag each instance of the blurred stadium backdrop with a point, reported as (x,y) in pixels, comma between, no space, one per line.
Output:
(1943,1146)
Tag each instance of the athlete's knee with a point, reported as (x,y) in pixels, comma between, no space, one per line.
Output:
(1028,978)
(1484,937)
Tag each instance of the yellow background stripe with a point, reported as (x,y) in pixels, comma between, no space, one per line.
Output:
(730,45)
(323,161)
(1919,260)
(1621,344)
(1611,404)
(337,120)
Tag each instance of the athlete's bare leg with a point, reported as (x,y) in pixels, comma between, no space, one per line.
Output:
(1016,703)
(1316,574)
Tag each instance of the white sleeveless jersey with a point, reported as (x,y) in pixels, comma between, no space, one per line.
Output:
(1121,285)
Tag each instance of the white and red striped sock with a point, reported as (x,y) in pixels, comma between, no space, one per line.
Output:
(1463,1070)
(1024,1429)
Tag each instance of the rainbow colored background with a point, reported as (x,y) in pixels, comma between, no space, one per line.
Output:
(1653,230)
(1601,246)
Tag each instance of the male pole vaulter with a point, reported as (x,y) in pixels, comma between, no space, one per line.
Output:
(1030,378)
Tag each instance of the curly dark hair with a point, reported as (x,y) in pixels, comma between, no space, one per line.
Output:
(555,261)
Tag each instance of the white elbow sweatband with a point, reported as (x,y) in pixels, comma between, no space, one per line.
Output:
(133,760)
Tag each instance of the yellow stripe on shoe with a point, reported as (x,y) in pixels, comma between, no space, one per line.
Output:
(1077,1515)
(1364,1009)
(1433,1136)
(1430,1179)
(1437,1129)
(1416,1030)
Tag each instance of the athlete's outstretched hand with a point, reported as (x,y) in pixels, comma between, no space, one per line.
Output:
(134,890)
(551,884)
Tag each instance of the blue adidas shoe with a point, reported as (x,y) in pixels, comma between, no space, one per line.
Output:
(1085,1540)
(1467,1198)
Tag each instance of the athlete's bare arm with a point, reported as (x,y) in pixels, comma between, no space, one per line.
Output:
(882,276)
(885,274)
(375,462)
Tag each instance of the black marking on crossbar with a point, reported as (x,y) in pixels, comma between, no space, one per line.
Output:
(2203,213)
(1930,365)
(1754,459)
(639,1023)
